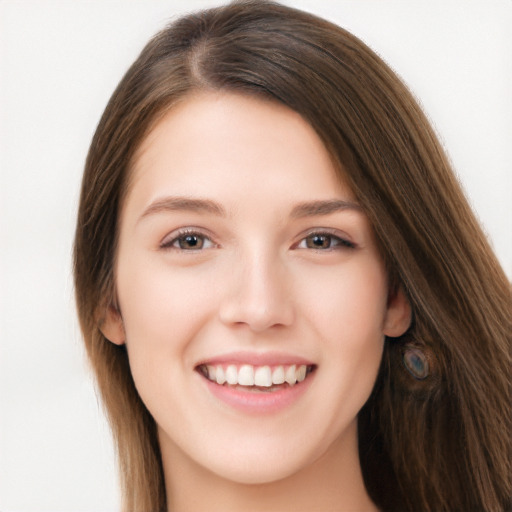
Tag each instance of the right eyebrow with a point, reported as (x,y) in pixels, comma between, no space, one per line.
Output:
(314,208)
(172,203)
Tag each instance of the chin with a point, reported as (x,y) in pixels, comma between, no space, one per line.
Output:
(257,472)
(262,460)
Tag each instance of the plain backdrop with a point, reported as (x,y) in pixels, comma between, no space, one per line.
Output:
(59,63)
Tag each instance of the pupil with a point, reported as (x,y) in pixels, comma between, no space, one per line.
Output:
(190,241)
(321,241)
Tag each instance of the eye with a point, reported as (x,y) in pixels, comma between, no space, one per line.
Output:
(188,241)
(324,241)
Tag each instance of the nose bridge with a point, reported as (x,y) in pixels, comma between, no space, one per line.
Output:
(258,294)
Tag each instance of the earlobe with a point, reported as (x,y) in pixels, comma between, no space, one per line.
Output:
(398,315)
(112,326)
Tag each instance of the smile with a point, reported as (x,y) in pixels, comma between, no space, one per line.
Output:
(251,376)
(252,383)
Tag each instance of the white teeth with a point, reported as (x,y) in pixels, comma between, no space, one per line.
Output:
(301,373)
(278,375)
(231,374)
(290,375)
(263,377)
(246,375)
(211,372)
(220,375)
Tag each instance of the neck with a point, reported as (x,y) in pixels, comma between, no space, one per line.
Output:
(333,482)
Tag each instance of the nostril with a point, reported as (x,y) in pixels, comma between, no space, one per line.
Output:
(259,296)
(256,318)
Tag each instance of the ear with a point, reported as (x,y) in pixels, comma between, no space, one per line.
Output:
(398,314)
(112,326)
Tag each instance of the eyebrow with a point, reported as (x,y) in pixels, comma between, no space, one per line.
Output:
(312,208)
(171,204)
(306,209)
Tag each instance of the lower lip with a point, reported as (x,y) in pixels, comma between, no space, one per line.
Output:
(259,402)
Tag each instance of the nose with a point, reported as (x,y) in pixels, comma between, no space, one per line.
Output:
(257,294)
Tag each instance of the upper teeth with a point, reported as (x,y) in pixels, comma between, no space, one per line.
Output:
(248,375)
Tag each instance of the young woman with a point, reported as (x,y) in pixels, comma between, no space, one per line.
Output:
(285,297)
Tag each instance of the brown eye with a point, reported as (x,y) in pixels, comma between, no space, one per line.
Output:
(324,241)
(318,242)
(190,242)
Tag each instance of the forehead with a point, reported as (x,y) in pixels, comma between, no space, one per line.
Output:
(211,143)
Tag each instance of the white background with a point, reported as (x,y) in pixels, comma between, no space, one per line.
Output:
(59,63)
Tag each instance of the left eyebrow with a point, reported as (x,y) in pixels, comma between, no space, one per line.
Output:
(190,204)
(313,208)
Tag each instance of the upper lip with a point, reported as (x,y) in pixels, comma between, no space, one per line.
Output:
(256,359)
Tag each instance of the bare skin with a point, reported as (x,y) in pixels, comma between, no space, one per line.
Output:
(330,484)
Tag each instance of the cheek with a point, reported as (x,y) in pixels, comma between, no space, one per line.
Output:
(348,317)
(350,302)
(162,310)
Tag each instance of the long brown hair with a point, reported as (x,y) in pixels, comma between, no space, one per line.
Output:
(441,443)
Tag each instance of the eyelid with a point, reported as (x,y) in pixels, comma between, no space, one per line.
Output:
(170,239)
(346,241)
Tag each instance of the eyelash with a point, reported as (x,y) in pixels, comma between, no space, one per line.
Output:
(335,242)
(339,242)
(182,236)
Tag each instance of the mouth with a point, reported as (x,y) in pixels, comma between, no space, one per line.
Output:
(251,378)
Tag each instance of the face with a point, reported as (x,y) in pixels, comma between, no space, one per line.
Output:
(252,297)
